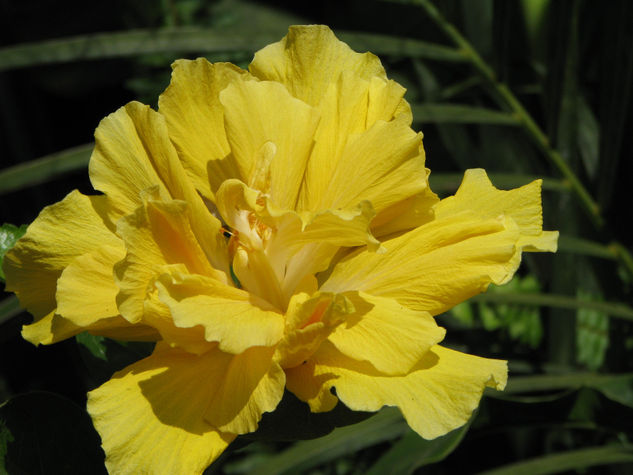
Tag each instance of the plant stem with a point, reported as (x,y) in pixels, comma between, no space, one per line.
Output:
(509,100)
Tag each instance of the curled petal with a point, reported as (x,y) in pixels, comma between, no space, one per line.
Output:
(382,332)
(438,395)
(230,316)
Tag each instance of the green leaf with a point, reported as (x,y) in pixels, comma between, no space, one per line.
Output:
(197,40)
(617,387)
(613,309)
(460,114)
(9,235)
(9,308)
(570,460)
(46,434)
(386,425)
(104,356)
(44,169)
(412,452)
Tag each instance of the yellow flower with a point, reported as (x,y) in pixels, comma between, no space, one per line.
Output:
(270,229)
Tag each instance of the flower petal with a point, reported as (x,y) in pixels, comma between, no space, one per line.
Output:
(384,165)
(523,204)
(433,267)
(133,153)
(251,385)
(308,59)
(195,119)
(230,316)
(438,395)
(309,321)
(156,235)
(271,135)
(154,409)
(62,232)
(384,333)
(89,274)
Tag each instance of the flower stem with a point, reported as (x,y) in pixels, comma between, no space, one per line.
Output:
(509,100)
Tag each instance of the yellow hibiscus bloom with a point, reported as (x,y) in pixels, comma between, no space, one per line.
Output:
(270,229)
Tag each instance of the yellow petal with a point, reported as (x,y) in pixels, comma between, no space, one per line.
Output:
(271,135)
(384,333)
(310,387)
(133,153)
(383,165)
(433,267)
(150,416)
(309,321)
(158,316)
(50,329)
(53,328)
(89,275)
(309,59)
(252,383)
(156,235)
(195,119)
(296,245)
(62,232)
(230,316)
(478,195)
(438,395)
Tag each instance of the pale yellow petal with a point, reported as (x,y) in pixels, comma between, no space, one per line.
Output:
(384,333)
(433,267)
(86,291)
(309,59)
(62,232)
(195,120)
(271,135)
(405,215)
(133,153)
(252,384)
(150,416)
(230,316)
(438,395)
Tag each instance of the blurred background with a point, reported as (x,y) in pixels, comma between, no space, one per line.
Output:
(523,88)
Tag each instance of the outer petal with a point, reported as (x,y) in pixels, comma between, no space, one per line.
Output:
(309,59)
(476,193)
(151,415)
(271,135)
(62,232)
(230,316)
(252,383)
(384,333)
(437,396)
(89,275)
(133,153)
(435,266)
(195,119)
